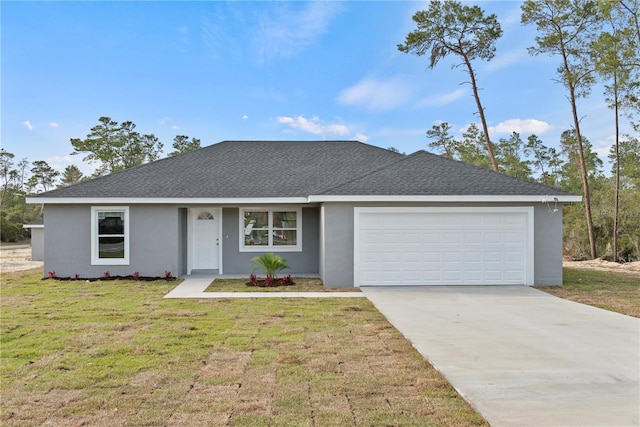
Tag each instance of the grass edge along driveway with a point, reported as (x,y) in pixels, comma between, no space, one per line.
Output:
(619,292)
(116,353)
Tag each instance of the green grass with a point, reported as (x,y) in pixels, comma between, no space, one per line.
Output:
(618,292)
(302,284)
(116,353)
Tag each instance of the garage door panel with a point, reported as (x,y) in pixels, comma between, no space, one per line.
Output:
(513,237)
(493,256)
(493,275)
(513,256)
(452,238)
(431,237)
(492,237)
(431,257)
(441,248)
(473,256)
(473,238)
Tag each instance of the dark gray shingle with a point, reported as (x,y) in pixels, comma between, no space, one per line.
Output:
(427,174)
(251,169)
(240,169)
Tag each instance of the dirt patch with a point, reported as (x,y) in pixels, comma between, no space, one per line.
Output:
(632,268)
(17,260)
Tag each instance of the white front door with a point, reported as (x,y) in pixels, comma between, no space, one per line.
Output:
(205,239)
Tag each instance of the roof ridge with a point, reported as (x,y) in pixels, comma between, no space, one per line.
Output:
(371,172)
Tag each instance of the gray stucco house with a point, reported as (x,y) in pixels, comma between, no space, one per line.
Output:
(353,213)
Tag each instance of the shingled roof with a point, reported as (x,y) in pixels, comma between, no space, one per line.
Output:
(283,169)
(427,174)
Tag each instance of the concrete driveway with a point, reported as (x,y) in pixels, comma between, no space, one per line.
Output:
(523,357)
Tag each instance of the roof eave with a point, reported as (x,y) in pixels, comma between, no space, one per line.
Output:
(550,198)
(165,200)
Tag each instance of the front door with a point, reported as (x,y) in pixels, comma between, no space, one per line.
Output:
(205,239)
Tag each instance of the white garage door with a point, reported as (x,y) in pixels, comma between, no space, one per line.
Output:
(436,247)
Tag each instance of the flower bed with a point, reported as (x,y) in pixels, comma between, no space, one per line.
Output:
(268,282)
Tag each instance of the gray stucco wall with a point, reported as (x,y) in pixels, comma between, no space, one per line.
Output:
(37,244)
(158,242)
(182,241)
(154,240)
(337,241)
(548,246)
(305,262)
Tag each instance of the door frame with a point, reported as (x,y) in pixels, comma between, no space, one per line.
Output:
(190,240)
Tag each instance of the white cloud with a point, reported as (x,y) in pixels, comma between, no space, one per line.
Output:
(377,95)
(168,121)
(28,124)
(214,35)
(506,59)
(59,163)
(245,117)
(361,137)
(603,154)
(54,125)
(313,125)
(510,19)
(444,99)
(521,126)
(287,28)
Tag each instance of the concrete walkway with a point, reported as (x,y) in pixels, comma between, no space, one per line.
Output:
(194,286)
(523,357)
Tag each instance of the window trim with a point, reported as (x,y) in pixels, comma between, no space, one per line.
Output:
(271,247)
(95,240)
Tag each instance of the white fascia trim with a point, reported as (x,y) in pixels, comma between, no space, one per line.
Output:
(449,199)
(165,200)
(33,226)
(550,198)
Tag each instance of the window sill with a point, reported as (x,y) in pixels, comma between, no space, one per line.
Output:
(271,249)
(110,262)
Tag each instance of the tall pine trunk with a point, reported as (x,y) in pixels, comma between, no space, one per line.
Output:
(485,128)
(616,212)
(584,175)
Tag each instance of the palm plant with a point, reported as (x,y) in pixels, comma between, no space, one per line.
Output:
(270,264)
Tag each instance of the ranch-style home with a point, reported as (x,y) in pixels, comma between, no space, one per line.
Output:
(352,213)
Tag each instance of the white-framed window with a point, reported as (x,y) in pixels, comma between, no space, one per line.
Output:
(271,229)
(110,235)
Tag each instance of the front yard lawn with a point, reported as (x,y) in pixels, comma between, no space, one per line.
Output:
(618,292)
(116,353)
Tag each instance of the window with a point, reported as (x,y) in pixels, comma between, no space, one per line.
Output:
(205,215)
(274,229)
(110,235)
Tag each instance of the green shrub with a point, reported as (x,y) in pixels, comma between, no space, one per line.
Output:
(270,264)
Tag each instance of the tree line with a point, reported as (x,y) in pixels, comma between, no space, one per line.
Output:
(111,145)
(594,41)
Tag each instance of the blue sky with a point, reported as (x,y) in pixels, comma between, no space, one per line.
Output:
(263,70)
